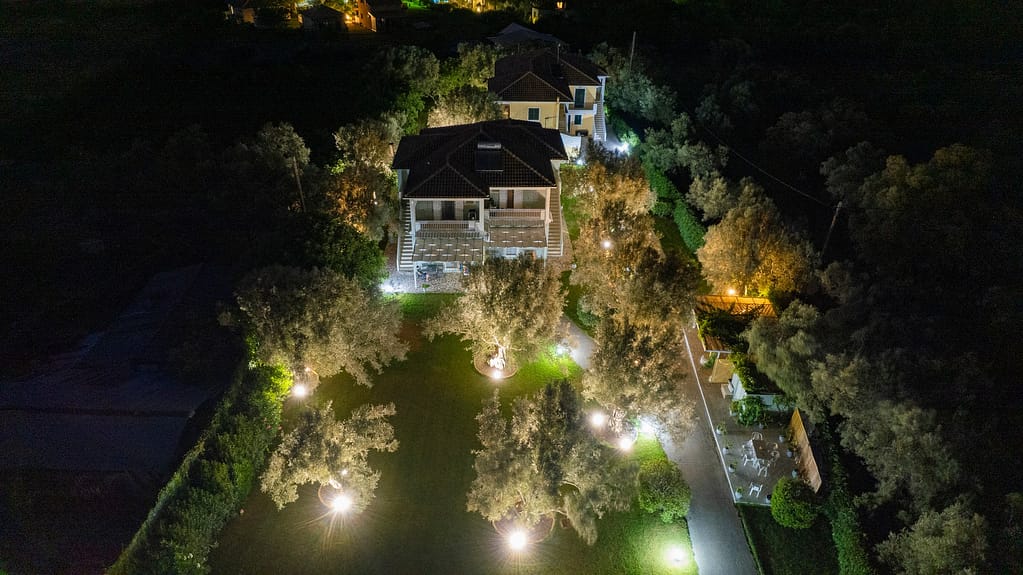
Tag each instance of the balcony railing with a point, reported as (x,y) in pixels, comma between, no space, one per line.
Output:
(447,228)
(517,213)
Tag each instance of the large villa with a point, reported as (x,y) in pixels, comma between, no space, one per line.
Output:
(490,189)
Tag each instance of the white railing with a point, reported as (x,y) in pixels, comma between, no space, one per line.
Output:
(447,226)
(517,213)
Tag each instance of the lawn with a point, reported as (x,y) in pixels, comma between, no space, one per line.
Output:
(418,522)
(783,551)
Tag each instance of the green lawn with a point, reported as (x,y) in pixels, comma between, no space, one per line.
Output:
(418,522)
(783,551)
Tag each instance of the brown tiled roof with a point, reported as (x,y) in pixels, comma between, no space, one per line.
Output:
(442,161)
(542,76)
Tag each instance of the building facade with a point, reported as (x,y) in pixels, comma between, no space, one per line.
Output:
(555,89)
(490,189)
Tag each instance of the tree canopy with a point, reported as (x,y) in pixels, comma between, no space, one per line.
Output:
(635,372)
(320,319)
(510,307)
(752,250)
(545,462)
(325,451)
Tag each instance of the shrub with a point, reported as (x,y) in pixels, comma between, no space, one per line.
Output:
(794,504)
(689,227)
(749,410)
(662,490)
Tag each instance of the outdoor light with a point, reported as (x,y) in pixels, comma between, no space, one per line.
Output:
(341,503)
(560,349)
(606,244)
(299,390)
(677,556)
(517,540)
(580,161)
(624,148)
(625,443)
(731,291)
(386,287)
(598,419)
(344,472)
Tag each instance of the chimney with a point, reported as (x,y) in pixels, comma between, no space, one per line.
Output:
(488,156)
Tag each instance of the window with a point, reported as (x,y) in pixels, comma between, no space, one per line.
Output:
(534,114)
(578,119)
(580,97)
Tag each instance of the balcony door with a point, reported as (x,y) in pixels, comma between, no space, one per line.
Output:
(447,210)
(580,97)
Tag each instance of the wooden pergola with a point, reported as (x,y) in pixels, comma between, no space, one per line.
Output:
(733,305)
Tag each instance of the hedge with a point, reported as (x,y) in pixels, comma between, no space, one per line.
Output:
(846,532)
(689,226)
(213,480)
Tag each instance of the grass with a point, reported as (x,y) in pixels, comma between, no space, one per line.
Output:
(418,522)
(784,551)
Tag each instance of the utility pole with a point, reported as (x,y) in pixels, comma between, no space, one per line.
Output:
(831,228)
(298,183)
(632,50)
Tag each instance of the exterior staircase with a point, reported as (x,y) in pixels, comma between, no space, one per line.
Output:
(555,232)
(599,124)
(405,247)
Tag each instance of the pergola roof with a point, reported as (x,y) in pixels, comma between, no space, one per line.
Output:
(734,305)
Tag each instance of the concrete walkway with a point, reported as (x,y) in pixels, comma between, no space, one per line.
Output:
(719,542)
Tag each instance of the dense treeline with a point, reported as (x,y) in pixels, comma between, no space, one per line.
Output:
(903,273)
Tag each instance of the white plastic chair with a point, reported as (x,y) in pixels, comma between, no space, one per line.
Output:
(754,489)
(757,435)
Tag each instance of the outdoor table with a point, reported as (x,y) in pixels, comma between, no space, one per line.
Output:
(759,450)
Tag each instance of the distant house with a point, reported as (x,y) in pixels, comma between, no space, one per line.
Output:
(477,190)
(555,89)
(240,11)
(379,15)
(514,35)
(322,18)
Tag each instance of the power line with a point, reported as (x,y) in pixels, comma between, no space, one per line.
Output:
(761,170)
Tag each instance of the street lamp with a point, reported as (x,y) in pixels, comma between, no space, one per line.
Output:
(606,244)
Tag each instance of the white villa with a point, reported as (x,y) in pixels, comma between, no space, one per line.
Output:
(479,190)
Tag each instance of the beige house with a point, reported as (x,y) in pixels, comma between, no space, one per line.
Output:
(555,89)
(477,190)
(378,15)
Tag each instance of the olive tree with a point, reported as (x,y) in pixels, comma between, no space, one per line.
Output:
(545,463)
(510,309)
(325,451)
(320,319)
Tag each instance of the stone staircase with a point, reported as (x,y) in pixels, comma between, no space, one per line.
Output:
(599,124)
(405,247)
(555,233)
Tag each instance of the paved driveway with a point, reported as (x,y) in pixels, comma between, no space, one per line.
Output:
(719,542)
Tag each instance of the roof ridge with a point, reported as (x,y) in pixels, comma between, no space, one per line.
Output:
(526,163)
(538,77)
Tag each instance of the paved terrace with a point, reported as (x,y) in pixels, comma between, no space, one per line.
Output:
(771,438)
